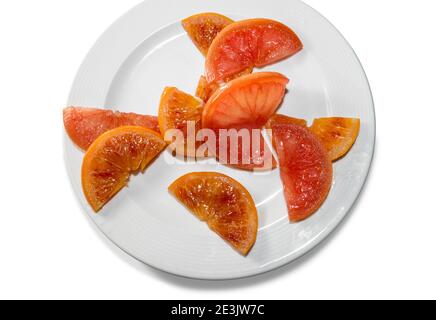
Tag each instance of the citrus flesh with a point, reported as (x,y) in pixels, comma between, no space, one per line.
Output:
(247,44)
(204,27)
(305,168)
(84,125)
(223,203)
(176,110)
(337,134)
(246,103)
(113,157)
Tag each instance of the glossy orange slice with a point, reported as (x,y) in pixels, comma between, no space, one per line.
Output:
(204,27)
(177,108)
(84,125)
(246,103)
(337,134)
(247,44)
(305,168)
(223,203)
(113,157)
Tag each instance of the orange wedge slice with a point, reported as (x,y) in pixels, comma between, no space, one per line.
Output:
(204,27)
(337,134)
(176,110)
(84,125)
(305,169)
(246,103)
(247,44)
(113,157)
(223,203)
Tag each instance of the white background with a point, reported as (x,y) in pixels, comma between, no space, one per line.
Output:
(386,248)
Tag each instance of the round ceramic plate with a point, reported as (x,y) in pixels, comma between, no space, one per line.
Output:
(146,50)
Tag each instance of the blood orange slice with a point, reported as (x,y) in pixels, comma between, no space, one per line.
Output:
(246,103)
(176,110)
(305,168)
(223,203)
(203,28)
(249,43)
(111,159)
(84,125)
(337,134)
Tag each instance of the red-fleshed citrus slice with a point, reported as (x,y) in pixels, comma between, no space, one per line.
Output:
(337,134)
(223,203)
(203,28)
(246,103)
(84,125)
(249,43)
(111,159)
(305,168)
(176,110)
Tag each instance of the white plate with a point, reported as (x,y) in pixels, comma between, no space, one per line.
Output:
(146,50)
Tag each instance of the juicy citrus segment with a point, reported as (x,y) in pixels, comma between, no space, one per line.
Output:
(111,159)
(204,27)
(249,43)
(84,125)
(223,203)
(337,134)
(305,168)
(178,109)
(246,102)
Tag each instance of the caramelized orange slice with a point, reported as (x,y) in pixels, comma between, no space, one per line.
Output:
(176,109)
(111,159)
(223,203)
(247,44)
(305,168)
(337,134)
(84,125)
(246,103)
(204,27)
